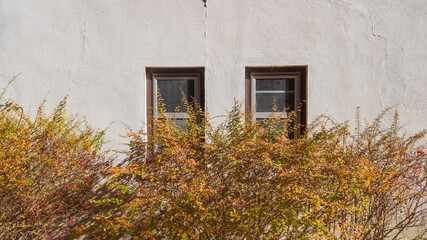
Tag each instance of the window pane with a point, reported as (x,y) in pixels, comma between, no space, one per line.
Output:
(275,84)
(170,91)
(179,122)
(265,101)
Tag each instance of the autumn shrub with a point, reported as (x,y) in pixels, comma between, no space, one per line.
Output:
(49,165)
(246,179)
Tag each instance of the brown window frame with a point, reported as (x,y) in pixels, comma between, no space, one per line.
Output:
(191,72)
(297,72)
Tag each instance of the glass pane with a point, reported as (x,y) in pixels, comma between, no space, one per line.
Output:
(180,122)
(265,101)
(275,84)
(171,92)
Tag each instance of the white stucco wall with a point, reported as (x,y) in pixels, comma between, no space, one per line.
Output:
(367,53)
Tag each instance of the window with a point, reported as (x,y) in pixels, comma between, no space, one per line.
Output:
(172,83)
(283,87)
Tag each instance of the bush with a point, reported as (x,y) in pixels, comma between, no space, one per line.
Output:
(248,180)
(49,166)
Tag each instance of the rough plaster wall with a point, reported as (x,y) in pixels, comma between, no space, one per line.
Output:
(367,53)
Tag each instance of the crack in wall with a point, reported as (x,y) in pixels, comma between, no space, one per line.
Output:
(382,82)
(381,20)
(367,10)
(382,37)
(205,44)
(83,43)
(377,12)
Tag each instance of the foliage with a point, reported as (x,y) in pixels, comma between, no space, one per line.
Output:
(247,180)
(49,166)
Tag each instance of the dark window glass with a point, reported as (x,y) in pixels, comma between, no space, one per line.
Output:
(287,84)
(171,92)
(266,101)
(179,122)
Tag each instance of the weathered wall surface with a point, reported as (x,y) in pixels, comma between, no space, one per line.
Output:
(367,53)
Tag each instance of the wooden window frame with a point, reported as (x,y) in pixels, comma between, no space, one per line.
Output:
(171,76)
(299,73)
(153,74)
